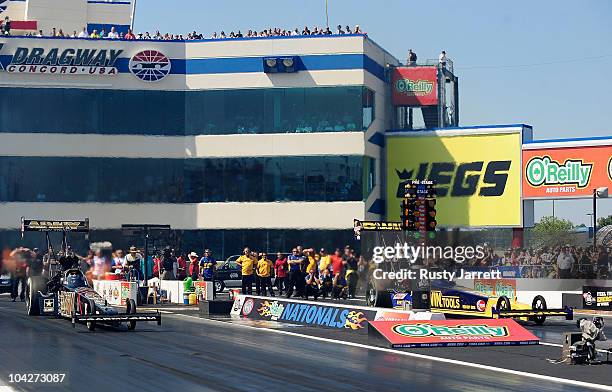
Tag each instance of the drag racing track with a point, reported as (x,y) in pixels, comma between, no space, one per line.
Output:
(187,353)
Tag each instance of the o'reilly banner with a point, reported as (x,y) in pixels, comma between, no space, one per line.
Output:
(62,61)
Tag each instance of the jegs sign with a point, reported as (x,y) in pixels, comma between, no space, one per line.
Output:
(64,61)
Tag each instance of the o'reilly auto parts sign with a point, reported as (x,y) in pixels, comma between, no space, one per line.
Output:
(64,61)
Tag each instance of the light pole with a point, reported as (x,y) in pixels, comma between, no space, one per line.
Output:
(597,193)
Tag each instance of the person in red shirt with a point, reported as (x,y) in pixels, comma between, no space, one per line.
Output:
(182,266)
(194,266)
(129,35)
(336,262)
(280,271)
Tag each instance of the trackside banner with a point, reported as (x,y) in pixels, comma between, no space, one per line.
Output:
(309,314)
(453,333)
(597,298)
(566,172)
(415,86)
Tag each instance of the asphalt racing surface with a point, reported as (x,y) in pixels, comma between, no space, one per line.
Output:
(187,353)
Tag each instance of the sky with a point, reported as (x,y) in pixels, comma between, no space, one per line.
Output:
(543,63)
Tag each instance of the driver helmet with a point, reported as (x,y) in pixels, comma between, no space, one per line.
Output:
(74,280)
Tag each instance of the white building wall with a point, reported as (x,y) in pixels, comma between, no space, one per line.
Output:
(16,10)
(203,146)
(274,215)
(67,15)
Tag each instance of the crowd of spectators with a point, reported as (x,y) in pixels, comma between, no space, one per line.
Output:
(559,262)
(113,33)
(304,273)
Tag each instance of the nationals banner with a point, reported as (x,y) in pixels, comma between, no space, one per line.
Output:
(452,333)
(415,86)
(566,172)
(313,314)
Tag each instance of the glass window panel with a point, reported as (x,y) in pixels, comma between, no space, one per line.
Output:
(272,188)
(315,179)
(292,178)
(213,180)
(123,180)
(193,112)
(253,179)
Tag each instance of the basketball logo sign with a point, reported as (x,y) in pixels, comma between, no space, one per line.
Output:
(150,65)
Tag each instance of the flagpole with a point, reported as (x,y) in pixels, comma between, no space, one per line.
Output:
(133,15)
(326,14)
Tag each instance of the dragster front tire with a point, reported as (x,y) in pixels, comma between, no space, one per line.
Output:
(131,309)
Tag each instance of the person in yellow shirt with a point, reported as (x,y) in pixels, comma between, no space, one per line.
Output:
(246,262)
(264,269)
(324,261)
(312,262)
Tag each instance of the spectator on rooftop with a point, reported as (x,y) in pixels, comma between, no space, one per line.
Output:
(442,59)
(348,30)
(53,32)
(74,34)
(83,33)
(113,33)
(40,33)
(339,30)
(94,34)
(129,35)
(222,34)
(214,35)
(412,58)
(103,33)
(6,26)
(357,30)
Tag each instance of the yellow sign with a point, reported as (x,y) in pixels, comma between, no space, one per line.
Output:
(478,177)
(442,301)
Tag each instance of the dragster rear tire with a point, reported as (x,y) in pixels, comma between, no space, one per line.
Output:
(503,303)
(33,286)
(377,298)
(539,303)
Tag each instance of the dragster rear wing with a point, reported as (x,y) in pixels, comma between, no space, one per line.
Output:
(42,225)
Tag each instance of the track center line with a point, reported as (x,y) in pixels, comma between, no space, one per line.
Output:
(415,355)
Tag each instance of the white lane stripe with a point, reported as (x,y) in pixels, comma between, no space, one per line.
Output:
(560,345)
(422,356)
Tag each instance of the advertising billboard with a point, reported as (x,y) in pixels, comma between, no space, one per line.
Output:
(477,175)
(310,314)
(597,298)
(454,333)
(414,86)
(566,172)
